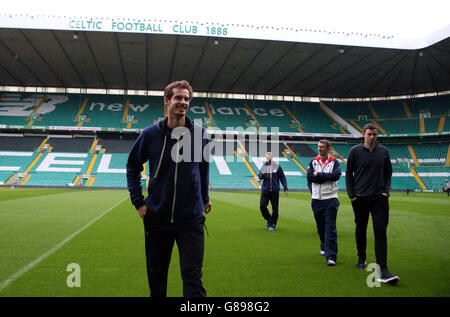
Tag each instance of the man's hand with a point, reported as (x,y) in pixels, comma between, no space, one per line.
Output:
(207,207)
(315,173)
(286,192)
(384,194)
(353,198)
(142,211)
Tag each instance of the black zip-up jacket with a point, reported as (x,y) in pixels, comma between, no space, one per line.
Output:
(271,176)
(368,172)
(177,190)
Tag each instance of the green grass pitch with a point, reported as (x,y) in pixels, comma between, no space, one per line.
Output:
(44,230)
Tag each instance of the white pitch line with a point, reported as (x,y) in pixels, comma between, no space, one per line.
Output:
(32,264)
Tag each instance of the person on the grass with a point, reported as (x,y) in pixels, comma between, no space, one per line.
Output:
(177,193)
(322,175)
(368,180)
(271,174)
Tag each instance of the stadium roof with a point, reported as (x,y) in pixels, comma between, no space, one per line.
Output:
(255,57)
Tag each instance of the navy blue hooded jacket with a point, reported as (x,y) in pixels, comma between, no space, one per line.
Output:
(178,188)
(271,176)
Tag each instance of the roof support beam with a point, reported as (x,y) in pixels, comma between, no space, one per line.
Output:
(382,78)
(439,62)
(199,60)
(172,61)
(413,77)
(340,72)
(362,73)
(433,82)
(42,58)
(116,40)
(246,68)
(69,59)
(147,62)
(388,92)
(273,66)
(319,69)
(94,59)
(223,64)
(19,60)
(12,76)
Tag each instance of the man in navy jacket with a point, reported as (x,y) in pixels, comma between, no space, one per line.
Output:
(177,192)
(271,174)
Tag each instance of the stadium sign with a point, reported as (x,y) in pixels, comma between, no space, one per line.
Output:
(175,27)
(216,28)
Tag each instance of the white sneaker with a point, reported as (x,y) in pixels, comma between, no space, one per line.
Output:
(322,253)
(387,277)
(331,263)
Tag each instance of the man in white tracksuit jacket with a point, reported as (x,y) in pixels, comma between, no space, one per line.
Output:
(322,174)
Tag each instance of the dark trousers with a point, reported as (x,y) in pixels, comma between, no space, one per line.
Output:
(159,241)
(378,207)
(274,198)
(325,213)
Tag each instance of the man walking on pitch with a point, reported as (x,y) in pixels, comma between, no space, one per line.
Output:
(177,192)
(271,174)
(322,174)
(368,181)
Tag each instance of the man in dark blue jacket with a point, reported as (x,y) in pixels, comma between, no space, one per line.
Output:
(271,174)
(177,192)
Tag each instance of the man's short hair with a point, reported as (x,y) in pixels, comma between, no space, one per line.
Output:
(183,84)
(326,142)
(369,126)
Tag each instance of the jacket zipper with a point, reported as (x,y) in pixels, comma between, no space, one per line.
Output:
(320,185)
(161,157)
(175,181)
(320,191)
(270,174)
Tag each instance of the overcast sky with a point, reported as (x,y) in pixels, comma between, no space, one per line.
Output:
(404,18)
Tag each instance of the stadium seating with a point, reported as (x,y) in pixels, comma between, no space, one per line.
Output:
(80,145)
(431,153)
(52,178)
(396,116)
(228,170)
(20,143)
(118,112)
(108,169)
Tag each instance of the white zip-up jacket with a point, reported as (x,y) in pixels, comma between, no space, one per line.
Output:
(324,185)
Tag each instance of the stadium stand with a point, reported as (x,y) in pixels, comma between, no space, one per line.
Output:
(119,112)
(81,145)
(20,143)
(51,178)
(108,169)
(116,145)
(397,116)
(228,172)
(431,153)
(99,158)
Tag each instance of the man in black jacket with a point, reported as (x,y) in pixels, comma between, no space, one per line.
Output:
(271,174)
(177,192)
(368,180)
